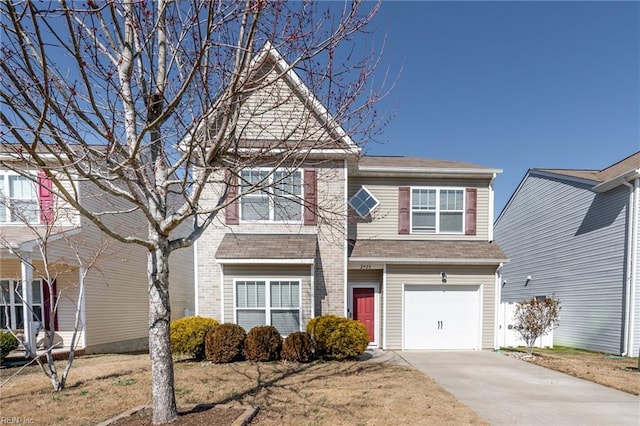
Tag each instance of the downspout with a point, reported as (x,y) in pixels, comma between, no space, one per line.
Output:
(491,207)
(630,275)
(498,296)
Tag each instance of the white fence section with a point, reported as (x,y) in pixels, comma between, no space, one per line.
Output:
(508,336)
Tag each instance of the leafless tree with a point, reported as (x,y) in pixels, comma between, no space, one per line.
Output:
(149,102)
(535,318)
(46,238)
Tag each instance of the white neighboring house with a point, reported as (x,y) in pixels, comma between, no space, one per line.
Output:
(114,310)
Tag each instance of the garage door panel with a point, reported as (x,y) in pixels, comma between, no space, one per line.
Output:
(441,317)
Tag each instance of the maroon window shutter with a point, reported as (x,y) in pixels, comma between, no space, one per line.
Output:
(232,216)
(470,211)
(47,304)
(404,209)
(310,197)
(46,198)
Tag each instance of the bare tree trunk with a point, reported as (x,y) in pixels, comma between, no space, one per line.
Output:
(162,378)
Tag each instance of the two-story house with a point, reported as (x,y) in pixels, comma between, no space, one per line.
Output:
(573,234)
(403,245)
(43,239)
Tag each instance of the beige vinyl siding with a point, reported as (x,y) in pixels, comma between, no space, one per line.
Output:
(276,113)
(330,259)
(365,276)
(397,275)
(384,223)
(268,272)
(117,298)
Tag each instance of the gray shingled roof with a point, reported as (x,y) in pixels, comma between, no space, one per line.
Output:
(428,251)
(267,246)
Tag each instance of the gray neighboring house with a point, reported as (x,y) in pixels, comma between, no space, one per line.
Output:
(573,234)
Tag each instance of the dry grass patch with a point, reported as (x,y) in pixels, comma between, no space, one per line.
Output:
(615,372)
(348,393)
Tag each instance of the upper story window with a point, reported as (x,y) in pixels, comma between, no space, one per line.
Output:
(436,210)
(363,202)
(281,200)
(18,199)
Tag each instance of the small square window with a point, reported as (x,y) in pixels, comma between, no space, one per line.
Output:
(363,202)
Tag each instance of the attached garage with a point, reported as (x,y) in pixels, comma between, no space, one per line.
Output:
(441,317)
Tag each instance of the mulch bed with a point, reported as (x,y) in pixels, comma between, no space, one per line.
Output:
(200,415)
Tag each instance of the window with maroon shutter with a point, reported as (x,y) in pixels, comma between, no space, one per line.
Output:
(45,198)
(310,197)
(231,211)
(470,214)
(404,210)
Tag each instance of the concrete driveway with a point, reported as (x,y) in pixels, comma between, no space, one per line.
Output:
(507,391)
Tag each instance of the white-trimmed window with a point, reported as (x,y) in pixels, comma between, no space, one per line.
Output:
(11,308)
(18,199)
(437,210)
(363,202)
(268,302)
(281,199)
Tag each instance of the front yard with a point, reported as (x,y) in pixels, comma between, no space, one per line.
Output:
(323,393)
(613,371)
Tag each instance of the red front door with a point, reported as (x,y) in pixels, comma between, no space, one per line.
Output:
(363,309)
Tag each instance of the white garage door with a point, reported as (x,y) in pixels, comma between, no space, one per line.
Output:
(441,317)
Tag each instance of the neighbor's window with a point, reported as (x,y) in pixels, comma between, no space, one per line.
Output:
(279,201)
(11,308)
(437,210)
(363,202)
(263,302)
(18,199)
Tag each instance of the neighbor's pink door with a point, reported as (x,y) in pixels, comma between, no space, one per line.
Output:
(363,309)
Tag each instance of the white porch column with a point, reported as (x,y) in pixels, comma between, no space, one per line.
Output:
(27,304)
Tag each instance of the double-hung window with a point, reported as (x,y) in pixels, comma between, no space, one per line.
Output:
(11,307)
(271,196)
(268,302)
(436,210)
(18,199)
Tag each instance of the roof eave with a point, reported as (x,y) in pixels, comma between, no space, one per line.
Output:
(237,261)
(617,181)
(426,172)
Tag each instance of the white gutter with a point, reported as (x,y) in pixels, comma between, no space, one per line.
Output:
(630,281)
(451,261)
(623,179)
(196,303)
(421,170)
(491,207)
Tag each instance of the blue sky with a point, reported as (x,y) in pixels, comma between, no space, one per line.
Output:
(512,85)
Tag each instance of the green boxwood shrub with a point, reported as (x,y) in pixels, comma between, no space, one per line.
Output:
(263,344)
(188,335)
(8,342)
(298,347)
(349,340)
(338,338)
(319,329)
(225,343)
